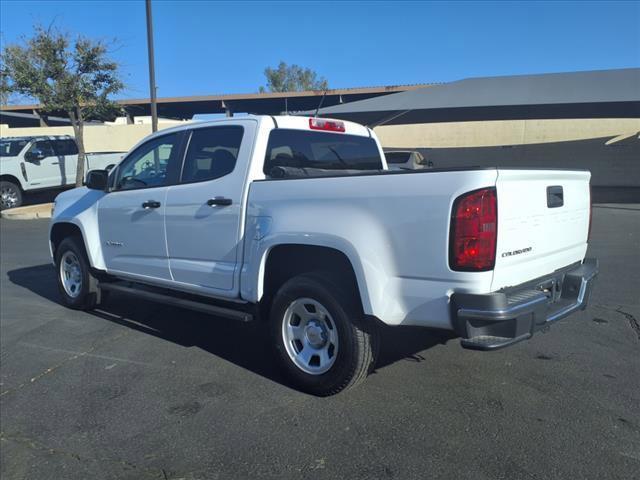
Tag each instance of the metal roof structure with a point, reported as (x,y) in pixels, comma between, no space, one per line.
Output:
(269,103)
(19,119)
(592,94)
(39,137)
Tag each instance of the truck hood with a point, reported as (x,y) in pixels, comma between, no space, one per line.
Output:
(73,202)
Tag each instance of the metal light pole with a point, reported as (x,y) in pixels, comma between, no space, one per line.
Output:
(152,70)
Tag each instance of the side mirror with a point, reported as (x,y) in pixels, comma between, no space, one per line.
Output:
(97,180)
(34,155)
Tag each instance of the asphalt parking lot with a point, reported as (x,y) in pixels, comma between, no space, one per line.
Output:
(138,390)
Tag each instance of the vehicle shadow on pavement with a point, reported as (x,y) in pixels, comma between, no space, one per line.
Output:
(244,344)
(45,196)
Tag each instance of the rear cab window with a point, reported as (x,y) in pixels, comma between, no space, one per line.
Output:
(293,152)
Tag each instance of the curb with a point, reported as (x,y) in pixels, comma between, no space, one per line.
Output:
(31,212)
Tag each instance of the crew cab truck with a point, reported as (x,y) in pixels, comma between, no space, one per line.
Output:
(30,164)
(297,222)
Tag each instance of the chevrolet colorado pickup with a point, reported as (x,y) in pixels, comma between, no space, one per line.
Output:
(29,164)
(298,222)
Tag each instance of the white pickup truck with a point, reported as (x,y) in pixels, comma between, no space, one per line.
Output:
(30,164)
(297,222)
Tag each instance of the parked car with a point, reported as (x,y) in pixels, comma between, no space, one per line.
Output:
(30,164)
(406,159)
(298,222)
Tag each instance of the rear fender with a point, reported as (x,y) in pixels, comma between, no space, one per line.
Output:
(253,272)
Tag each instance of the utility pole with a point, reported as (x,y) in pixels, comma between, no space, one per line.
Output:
(152,70)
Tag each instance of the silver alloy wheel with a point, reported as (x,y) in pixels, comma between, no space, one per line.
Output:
(8,197)
(310,336)
(71,274)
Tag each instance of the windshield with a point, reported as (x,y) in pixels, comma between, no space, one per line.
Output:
(11,148)
(333,151)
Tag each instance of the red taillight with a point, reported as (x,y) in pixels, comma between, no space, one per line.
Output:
(327,125)
(474,227)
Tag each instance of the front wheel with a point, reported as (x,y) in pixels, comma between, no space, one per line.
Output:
(75,282)
(10,195)
(321,338)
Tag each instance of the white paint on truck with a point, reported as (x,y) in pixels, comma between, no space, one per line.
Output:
(393,228)
(552,237)
(484,252)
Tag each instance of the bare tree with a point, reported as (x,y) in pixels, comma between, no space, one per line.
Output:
(292,78)
(63,75)
(4,84)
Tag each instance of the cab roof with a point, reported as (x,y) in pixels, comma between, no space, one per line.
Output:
(277,121)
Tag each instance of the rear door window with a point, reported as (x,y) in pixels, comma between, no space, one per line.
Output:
(321,150)
(212,153)
(65,147)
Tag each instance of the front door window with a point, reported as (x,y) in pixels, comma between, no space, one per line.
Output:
(150,165)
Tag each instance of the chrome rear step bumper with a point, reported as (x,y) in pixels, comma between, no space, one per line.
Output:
(496,320)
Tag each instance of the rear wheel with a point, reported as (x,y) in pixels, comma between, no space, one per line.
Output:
(10,195)
(321,339)
(77,286)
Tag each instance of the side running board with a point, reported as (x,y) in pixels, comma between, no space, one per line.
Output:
(168,299)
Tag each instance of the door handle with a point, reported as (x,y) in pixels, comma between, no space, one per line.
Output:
(219,201)
(150,204)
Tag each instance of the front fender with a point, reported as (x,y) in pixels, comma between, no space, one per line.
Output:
(79,207)
(13,170)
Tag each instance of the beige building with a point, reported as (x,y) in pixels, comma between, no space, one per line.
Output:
(504,132)
(587,120)
(117,136)
(121,136)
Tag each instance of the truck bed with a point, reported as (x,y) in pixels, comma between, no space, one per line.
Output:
(398,225)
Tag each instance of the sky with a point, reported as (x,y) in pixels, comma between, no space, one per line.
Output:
(207,48)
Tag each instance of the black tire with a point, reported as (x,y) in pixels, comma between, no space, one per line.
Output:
(358,340)
(87,296)
(10,195)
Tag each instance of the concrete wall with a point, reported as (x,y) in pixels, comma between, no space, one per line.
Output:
(121,137)
(570,143)
(615,168)
(502,132)
(97,138)
(567,143)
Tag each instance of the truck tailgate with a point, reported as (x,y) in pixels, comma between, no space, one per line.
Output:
(543,223)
